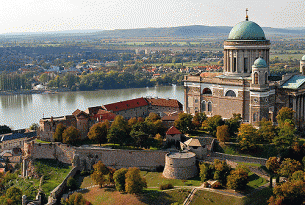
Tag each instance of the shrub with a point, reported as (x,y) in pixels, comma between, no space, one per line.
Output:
(166,186)
(217,185)
(71,183)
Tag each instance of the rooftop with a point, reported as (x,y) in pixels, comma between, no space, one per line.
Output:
(247,30)
(173,131)
(294,82)
(181,154)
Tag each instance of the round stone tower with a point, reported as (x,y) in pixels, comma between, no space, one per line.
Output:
(302,65)
(246,42)
(180,165)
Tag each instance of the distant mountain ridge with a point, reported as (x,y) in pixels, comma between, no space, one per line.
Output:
(180,31)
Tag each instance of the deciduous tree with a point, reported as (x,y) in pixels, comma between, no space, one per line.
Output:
(98,132)
(247,137)
(119,179)
(134,182)
(57,136)
(237,179)
(288,167)
(98,175)
(198,119)
(184,123)
(285,115)
(71,136)
(14,195)
(223,134)
(211,124)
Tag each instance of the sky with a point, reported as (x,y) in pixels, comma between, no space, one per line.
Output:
(62,15)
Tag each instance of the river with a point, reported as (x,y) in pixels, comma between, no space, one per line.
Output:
(20,111)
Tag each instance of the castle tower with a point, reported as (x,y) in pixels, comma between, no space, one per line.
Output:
(259,91)
(302,65)
(246,42)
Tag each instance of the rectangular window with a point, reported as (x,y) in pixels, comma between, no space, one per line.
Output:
(246,65)
(234,64)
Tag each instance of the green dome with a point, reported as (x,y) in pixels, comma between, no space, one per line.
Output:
(303,58)
(247,30)
(260,63)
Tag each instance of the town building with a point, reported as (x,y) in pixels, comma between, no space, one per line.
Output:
(15,139)
(83,120)
(244,86)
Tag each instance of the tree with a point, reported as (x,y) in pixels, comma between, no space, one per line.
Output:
(70,136)
(286,136)
(206,171)
(98,175)
(34,126)
(247,137)
(298,176)
(152,117)
(223,134)
(267,131)
(71,183)
(288,193)
(288,167)
(198,119)
(184,123)
(98,132)
(237,179)
(14,195)
(159,140)
(57,136)
(134,183)
(119,179)
(76,199)
(222,170)
(285,114)
(212,123)
(234,124)
(273,166)
(118,132)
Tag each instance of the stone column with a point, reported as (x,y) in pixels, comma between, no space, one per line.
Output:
(294,106)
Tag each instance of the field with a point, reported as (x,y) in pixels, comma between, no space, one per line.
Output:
(105,196)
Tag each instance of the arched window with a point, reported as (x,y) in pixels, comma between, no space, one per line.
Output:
(230,93)
(209,106)
(254,117)
(266,78)
(203,106)
(206,91)
(255,78)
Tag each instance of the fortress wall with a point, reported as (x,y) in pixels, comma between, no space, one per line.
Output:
(116,158)
(143,159)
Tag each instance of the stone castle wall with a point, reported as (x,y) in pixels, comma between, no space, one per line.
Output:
(143,159)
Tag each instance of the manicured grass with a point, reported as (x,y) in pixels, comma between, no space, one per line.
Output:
(211,198)
(53,171)
(249,164)
(42,142)
(86,181)
(155,179)
(259,197)
(255,181)
(106,196)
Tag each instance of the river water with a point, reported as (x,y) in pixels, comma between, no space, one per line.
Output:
(20,111)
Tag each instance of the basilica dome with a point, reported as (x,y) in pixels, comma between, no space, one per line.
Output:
(247,30)
(260,63)
(303,58)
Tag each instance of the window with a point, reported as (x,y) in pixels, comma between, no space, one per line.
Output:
(254,117)
(266,78)
(209,106)
(203,106)
(246,65)
(234,64)
(206,91)
(255,78)
(230,93)
(196,101)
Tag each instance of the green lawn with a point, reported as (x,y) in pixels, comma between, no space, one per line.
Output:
(213,198)
(54,173)
(255,181)
(155,179)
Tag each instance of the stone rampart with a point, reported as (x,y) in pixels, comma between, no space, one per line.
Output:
(116,158)
(58,191)
(236,158)
(143,159)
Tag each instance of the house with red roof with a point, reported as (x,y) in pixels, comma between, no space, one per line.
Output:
(173,135)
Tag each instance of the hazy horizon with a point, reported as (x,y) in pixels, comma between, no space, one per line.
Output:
(32,16)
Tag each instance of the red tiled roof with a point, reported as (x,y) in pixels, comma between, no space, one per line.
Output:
(125,105)
(173,131)
(105,115)
(164,102)
(169,117)
(93,110)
